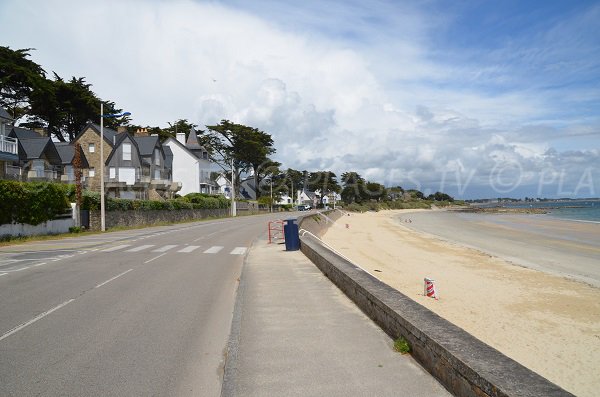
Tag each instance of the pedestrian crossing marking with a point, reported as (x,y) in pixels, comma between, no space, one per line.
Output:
(140,248)
(238,251)
(213,250)
(116,247)
(165,248)
(189,248)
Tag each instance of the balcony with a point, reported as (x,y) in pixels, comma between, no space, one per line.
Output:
(8,145)
(8,148)
(41,175)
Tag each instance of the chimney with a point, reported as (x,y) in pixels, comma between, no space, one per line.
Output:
(141,132)
(121,129)
(181,137)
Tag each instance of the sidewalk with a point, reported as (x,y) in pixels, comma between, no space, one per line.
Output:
(295,334)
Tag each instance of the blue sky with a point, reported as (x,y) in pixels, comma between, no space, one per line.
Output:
(477,98)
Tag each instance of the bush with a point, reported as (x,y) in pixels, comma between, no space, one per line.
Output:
(31,203)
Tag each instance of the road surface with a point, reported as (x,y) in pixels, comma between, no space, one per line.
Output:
(130,313)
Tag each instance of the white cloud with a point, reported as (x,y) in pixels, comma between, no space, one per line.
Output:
(361,91)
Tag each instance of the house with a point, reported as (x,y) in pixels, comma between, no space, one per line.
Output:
(38,159)
(247,189)
(158,166)
(285,199)
(223,185)
(309,198)
(127,173)
(8,146)
(89,139)
(191,165)
(66,151)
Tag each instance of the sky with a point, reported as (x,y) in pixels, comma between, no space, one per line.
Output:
(472,98)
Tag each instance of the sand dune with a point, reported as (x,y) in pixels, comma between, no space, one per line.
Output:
(544,321)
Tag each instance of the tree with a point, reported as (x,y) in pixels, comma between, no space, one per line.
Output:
(248,147)
(325,181)
(354,187)
(19,78)
(439,196)
(63,107)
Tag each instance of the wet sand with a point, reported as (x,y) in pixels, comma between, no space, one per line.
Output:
(541,319)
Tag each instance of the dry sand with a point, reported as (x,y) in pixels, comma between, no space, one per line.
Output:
(546,322)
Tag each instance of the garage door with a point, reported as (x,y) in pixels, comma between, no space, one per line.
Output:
(127,175)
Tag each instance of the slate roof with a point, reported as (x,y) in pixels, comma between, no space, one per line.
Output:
(4,114)
(34,148)
(146,144)
(109,134)
(119,138)
(192,141)
(66,151)
(23,133)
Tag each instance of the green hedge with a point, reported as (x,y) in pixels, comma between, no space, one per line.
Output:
(91,201)
(31,203)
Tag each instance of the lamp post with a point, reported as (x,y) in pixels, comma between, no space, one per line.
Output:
(233,209)
(102,117)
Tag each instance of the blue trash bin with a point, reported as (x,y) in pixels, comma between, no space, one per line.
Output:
(290,231)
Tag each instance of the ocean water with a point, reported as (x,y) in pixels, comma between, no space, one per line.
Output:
(580,210)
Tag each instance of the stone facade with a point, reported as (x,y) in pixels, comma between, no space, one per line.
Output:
(90,136)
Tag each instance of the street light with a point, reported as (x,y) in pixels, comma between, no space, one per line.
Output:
(233,208)
(102,117)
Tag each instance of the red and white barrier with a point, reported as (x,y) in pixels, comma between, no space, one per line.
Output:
(429,288)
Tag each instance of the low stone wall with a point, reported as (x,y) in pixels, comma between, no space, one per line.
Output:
(463,364)
(152,217)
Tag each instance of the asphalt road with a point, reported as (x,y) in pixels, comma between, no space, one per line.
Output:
(131,313)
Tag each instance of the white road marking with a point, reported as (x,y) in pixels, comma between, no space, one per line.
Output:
(140,248)
(189,248)
(3,274)
(214,249)
(116,247)
(238,251)
(165,248)
(40,264)
(33,320)
(114,278)
(156,257)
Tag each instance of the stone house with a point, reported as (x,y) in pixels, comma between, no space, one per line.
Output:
(89,139)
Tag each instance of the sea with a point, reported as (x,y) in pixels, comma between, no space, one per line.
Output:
(578,210)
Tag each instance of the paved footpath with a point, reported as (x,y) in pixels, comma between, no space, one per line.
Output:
(295,334)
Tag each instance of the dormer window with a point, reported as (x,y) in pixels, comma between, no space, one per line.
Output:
(156,157)
(92,148)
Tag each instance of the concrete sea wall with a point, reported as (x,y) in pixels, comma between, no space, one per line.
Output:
(463,364)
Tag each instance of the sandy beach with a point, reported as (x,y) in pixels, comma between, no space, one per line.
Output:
(502,280)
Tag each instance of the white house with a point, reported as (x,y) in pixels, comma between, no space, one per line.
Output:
(223,185)
(191,165)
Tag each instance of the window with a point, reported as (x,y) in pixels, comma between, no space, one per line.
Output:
(92,172)
(111,173)
(156,174)
(157,157)
(127,151)
(92,148)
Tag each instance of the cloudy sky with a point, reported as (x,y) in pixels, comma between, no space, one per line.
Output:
(474,98)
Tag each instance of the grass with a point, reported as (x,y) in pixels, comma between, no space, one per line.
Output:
(401,345)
